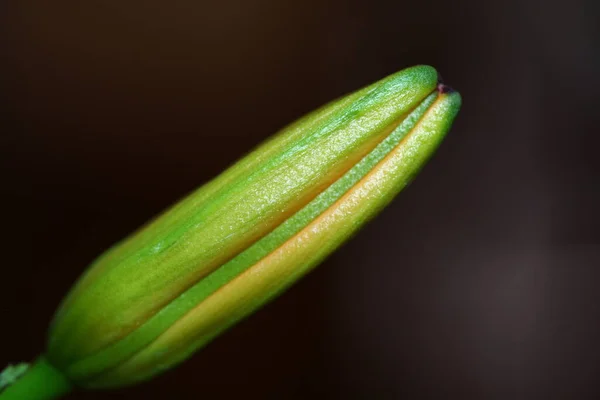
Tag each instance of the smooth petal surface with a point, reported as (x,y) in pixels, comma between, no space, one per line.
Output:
(297,255)
(236,242)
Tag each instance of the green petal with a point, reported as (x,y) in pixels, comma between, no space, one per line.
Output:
(272,264)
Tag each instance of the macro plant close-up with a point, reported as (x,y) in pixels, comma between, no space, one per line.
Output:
(300,200)
(217,255)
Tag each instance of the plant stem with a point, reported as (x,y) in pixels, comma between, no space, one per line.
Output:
(40,382)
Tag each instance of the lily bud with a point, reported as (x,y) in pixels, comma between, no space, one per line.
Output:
(232,245)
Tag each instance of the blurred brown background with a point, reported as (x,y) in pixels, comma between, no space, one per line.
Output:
(481,281)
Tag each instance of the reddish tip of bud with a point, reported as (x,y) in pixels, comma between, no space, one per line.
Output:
(444,88)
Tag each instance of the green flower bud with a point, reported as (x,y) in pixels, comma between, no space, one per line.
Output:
(232,245)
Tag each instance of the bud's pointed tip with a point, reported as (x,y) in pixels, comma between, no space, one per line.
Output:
(444,89)
(451,98)
(450,94)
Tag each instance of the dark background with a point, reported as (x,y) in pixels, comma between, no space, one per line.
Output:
(481,281)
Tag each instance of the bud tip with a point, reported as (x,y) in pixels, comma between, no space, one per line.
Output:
(442,88)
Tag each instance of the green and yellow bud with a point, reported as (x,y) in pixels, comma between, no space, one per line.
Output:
(155,298)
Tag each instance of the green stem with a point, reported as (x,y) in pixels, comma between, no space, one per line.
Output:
(41,381)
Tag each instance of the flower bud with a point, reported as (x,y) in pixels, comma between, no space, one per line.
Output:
(235,243)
